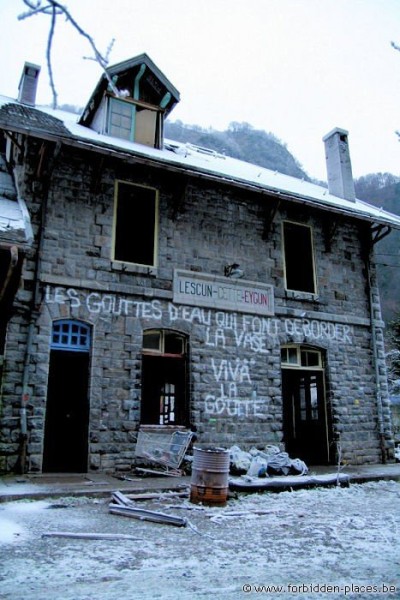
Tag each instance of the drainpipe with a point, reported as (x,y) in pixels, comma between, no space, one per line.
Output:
(25,395)
(136,95)
(379,405)
(137,81)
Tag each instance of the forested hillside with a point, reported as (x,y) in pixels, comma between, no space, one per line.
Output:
(383,190)
(242,141)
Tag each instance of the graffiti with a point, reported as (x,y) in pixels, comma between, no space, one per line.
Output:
(226,402)
(228,374)
(318,330)
(255,335)
(237,370)
(104,304)
(250,332)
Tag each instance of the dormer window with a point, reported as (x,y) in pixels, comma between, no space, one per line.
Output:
(132,102)
(134,121)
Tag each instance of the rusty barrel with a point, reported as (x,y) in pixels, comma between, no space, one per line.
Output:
(210,472)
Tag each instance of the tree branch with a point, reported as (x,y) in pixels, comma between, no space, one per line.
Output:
(54,8)
(48,57)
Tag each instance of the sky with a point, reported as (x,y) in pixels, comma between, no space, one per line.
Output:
(295,68)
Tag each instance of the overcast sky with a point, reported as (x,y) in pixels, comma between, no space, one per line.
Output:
(296,68)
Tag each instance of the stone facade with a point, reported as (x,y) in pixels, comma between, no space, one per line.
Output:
(234,369)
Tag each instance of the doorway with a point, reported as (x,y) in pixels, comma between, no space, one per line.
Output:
(67,411)
(164,379)
(305,418)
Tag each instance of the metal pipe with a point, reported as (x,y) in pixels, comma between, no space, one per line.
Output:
(136,97)
(379,405)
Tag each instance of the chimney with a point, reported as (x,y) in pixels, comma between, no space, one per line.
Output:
(28,84)
(338,164)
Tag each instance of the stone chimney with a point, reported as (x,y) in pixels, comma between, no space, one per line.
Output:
(338,164)
(28,84)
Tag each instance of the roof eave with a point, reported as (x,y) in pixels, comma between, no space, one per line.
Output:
(196,171)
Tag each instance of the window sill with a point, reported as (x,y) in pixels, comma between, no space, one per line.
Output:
(301,295)
(124,267)
(159,428)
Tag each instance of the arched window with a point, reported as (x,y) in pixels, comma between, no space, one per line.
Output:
(70,335)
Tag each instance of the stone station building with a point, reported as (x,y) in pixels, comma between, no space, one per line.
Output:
(167,286)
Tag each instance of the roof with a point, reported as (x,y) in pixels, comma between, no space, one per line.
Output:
(131,68)
(15,227)
(46,123)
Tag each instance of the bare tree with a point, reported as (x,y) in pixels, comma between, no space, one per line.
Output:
(54,9)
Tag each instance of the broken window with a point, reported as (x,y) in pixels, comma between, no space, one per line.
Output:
(164,378)
(135,224)
(299,257)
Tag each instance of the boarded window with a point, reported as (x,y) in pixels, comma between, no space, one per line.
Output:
(135,224)
(299,259)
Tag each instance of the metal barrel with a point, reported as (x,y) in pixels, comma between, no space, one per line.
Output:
(210,472)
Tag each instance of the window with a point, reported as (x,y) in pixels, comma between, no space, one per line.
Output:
(135,224)
(70,335)
(133,121)
(300,357)
(299,257)
(163,342)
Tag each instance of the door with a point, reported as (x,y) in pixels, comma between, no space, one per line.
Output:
(304,415)
(67,410)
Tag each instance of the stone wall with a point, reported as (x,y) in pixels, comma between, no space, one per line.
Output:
(235,369)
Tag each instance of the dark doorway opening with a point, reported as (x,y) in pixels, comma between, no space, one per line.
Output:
(305,421)
(164,379)
(67,411)
(163,391)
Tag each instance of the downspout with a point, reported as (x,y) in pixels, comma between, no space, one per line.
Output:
(136,93)
(14,260)
(379,404)
(25,395)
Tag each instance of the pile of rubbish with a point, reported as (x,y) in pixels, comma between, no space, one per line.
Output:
(268,462)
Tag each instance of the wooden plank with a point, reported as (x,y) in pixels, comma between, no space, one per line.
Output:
(158,495)
(89,536)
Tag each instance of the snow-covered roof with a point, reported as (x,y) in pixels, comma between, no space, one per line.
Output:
(15,227)
(47,123)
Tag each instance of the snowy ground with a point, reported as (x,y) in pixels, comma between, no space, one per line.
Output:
(339,537)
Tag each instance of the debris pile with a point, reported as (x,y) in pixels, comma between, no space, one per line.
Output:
(265,463)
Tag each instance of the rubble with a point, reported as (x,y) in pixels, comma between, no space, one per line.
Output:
(264,463)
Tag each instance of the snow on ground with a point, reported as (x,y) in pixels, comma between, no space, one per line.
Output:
(305,539)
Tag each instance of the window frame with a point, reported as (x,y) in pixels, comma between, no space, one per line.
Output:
(312,268)
(163,342)
(299,350)
(116,259)
(134,107)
